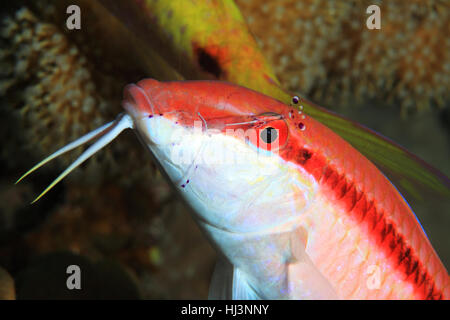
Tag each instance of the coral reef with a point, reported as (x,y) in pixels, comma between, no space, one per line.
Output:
(324,50)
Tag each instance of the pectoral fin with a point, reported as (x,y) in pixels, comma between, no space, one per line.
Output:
(221,284)
(304,279)
(241,287)
(229,282)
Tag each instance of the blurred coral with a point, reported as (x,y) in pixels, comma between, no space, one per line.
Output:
(324,49)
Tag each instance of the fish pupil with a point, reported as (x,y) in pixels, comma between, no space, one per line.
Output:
(269,135)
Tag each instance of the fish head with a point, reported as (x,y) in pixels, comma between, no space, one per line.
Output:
(224,148)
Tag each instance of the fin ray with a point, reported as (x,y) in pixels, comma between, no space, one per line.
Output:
(222,280)
(241,288)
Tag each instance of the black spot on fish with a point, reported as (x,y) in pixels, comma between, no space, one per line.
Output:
(208,63)
(304,156)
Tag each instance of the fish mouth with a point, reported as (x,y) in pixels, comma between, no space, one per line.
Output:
(137,103)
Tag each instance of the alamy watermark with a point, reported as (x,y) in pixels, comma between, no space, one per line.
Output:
(74,20)
(74,280)
(374,279)
(374,20)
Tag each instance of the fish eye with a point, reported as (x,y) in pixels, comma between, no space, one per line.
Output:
(269,135)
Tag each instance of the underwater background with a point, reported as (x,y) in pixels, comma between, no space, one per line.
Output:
(116,217)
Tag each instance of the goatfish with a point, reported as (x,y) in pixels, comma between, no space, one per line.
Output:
(293,210)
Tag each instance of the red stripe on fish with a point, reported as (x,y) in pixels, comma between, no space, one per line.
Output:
(383,232)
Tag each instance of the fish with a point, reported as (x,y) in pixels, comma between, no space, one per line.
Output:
(293,210)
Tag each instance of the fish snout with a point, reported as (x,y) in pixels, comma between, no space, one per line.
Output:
(137,103)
